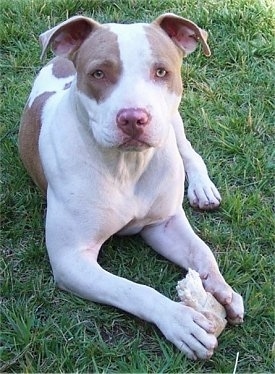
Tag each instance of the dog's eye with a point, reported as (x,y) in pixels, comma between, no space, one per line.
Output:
(98,74)
(161,73)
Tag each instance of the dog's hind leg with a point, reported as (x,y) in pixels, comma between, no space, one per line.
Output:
(176,240)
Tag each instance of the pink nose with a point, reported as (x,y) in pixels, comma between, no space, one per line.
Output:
(132,121)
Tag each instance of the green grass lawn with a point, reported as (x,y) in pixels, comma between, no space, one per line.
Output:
(228,117)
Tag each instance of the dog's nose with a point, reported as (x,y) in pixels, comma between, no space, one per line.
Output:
(132,121)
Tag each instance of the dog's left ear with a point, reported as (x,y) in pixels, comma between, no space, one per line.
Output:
(184,33)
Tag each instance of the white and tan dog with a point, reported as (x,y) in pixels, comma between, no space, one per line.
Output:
(102,136)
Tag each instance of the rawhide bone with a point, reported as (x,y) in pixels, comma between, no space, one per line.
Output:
(191,293)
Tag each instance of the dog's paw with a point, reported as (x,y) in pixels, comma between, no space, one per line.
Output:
(235,310)
(189,330)
(232,301)
(192,293)
(203,194)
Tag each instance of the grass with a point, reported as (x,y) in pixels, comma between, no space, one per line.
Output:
(228,112)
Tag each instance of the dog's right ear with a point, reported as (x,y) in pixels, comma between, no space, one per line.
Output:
(68,36)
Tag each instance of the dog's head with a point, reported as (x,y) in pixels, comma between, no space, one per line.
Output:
(128,83)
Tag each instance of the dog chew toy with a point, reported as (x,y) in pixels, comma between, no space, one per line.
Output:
(191,293)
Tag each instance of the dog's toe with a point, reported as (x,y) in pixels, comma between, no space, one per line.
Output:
(204,196)
(235,310)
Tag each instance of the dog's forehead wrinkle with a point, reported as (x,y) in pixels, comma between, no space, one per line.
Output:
(126,29)
(132,41)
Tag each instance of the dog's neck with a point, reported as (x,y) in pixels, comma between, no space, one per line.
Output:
(126,166)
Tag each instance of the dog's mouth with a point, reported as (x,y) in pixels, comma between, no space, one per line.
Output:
(134,145)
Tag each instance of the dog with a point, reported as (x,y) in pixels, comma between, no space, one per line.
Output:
(102,137)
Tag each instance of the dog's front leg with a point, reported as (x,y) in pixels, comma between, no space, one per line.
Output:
(202,192)
(73,255)
(190,331)
(176,240)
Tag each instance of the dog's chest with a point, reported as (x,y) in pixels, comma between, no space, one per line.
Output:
(154,197)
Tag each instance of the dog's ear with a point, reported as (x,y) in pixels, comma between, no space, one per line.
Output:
(67,37)
(184,33)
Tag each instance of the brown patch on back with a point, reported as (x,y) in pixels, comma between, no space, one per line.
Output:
(100,51)
(166,55)
(62,67)
(28,140)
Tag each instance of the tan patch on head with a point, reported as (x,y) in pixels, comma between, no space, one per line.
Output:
(99,52)
(62,67)
(167,56)
(29,137)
